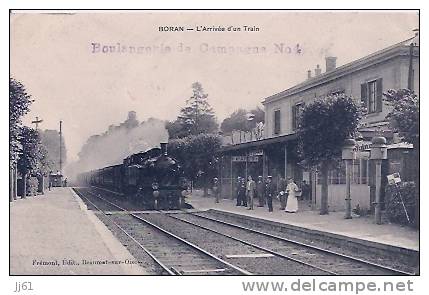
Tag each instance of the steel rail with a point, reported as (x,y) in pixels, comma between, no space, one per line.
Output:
(255,246)
(355,259)
(240,270)
(162,265)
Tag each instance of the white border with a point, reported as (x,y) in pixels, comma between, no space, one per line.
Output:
(187,285)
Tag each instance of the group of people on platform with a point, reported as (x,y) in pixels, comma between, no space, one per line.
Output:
(246,192)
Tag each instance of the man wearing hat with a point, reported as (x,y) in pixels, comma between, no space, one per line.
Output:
(260,191)
(237,190)
(250,191)
(269,193)
(215,189)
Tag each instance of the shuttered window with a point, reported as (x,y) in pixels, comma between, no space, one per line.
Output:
(372,96)
(296,115)
(379,98)
(277,122)
(364,95)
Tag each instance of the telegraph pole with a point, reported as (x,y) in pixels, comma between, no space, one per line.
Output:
(61,160)
(37,121)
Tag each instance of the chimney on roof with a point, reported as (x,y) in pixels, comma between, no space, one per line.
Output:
(331,63)
(416,39)
(308,74)
(317,71)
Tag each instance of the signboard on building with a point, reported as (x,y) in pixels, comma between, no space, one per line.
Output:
(363,145)
(243,159)
(238,158)
(256,153)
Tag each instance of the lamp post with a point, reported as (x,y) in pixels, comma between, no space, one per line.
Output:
(348,154)
(378,154)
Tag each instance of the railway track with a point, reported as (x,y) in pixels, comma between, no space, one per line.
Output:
(174,255)
(300,257)
(399,260)
(340,264)
(247,257)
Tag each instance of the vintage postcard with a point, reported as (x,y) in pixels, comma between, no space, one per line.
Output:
(216,143)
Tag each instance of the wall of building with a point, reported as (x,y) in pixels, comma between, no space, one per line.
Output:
(336,200)
(394,73)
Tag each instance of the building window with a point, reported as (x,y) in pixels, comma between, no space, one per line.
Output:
(277,122)
(372,96)
(296,115)
(372,93)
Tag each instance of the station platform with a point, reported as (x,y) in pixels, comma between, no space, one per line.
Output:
(362,228)
(52,234)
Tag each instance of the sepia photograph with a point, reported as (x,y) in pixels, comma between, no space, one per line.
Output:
(215,143)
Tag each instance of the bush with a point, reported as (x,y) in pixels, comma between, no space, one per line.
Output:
(394,207)
(32,186)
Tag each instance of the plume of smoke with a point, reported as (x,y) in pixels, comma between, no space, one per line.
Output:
(117,143)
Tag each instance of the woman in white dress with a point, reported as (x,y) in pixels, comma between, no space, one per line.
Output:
(292,200)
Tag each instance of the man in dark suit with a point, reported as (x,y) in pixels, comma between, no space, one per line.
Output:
(260,191)
(237,191)
(269,192)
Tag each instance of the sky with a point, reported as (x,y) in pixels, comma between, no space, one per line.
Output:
(71,65)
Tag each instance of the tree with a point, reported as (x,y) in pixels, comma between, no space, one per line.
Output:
(131,121)
(50,139)
(239,120)
(45,164)
(236,121)
(19,105)
(258,115)
(177,129)
(324,125)
(28,160)
(404,118)
(196,117)
(197,156)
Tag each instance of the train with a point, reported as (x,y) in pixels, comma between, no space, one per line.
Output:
(152,179)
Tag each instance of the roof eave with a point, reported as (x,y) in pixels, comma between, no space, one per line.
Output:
(359,64)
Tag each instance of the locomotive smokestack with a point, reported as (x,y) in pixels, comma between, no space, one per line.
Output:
(164,148)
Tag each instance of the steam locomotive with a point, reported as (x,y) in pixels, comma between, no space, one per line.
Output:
(152,179)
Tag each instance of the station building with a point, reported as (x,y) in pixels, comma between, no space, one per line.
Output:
(274,152)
